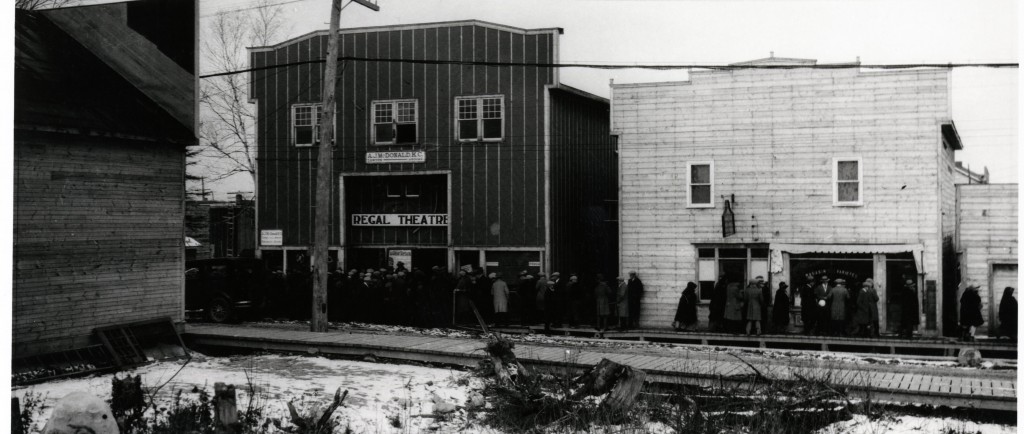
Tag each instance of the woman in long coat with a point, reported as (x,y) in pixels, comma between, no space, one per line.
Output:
(865,317)
(754,298)
(733,306)
(1008,314)
(686,312)
(970,312)
(622,302)
(780,311)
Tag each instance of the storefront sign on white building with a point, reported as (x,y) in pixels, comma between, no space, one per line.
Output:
(396,157)
(271,237)
(399,219)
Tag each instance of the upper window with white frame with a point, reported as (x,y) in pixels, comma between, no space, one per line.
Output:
(480,117)
(847,180)
(394,122)
(306,124)
(700,176)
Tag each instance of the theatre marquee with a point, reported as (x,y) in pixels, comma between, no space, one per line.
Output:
(399,219)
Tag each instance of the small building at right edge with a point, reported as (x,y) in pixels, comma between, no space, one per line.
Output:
(986,244)
(790,174)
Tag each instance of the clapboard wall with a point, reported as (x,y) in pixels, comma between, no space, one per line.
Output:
(986,235)
(497,188)
(97,236)
(772,135)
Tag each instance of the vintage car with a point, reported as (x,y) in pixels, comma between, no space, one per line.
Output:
(222,289)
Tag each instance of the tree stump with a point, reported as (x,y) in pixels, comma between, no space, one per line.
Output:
(506,366)
(622,383)
(225,409)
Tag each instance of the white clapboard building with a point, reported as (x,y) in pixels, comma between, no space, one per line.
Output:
(790,174)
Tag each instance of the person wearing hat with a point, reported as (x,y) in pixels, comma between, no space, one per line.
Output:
(865,318)
(636,293)
(970,312)
(733,314)
(753,299)
(808,306)
(526,291)
(780,309)
(574,297)
(1008,314)
(621,302)
(821,301)
(552,303)
(540,287)
(602,293)
(837,298)
(910,313)
(686,310)
(499,296)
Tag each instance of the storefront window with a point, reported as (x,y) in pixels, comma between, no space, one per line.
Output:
(738,264)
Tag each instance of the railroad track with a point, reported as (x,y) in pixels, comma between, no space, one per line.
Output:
(980,390)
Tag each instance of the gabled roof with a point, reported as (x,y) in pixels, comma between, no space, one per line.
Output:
(776,61)
(63,86)
(479,23)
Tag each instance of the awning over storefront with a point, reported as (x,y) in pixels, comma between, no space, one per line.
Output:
(776,251)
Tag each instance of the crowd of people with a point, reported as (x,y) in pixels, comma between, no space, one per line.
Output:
(434,297)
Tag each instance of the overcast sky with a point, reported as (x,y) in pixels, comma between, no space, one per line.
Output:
(985,101)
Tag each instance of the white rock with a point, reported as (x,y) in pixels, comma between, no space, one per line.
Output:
(969,357)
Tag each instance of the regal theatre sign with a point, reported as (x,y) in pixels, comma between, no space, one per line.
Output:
(396,157)
(399,219)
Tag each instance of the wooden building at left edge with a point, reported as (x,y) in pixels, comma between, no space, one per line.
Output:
(104,109)
(439,160)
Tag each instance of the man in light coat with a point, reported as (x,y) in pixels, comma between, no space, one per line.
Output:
(499,296)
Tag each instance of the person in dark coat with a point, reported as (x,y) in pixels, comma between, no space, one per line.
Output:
(865,317)
(910,313)
(970,312)
(622,302)
(553,296)
(526,291)
(838,297)
(686,312)
(602,300)
(574,306)
(766,299)
(716,310)
(636,293)
(1008,314)
(823,321)
(780,310)
(808,307)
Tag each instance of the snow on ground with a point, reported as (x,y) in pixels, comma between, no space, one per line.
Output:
(914,425)
(377,392)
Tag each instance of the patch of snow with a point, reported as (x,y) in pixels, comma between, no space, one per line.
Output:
(913,425)
(378,393)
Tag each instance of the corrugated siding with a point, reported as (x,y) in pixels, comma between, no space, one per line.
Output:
(584,173)
(772,136)
(987,215)
(97,237)
(497,188)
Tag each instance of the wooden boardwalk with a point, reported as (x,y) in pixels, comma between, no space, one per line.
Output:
(963,388)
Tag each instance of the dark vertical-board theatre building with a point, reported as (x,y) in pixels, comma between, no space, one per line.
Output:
(104,109)
(456,146)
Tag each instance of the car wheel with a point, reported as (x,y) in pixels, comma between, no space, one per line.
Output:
(219,310)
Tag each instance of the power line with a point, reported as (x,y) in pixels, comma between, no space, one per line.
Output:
(624,66)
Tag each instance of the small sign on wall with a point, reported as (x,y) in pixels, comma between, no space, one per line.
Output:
(534,263)
(396,157)
(400,255)
(271,237)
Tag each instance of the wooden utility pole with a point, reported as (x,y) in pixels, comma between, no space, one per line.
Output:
(324,172)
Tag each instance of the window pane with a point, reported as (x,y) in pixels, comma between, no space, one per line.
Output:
(700,174)
(492,108)
(758,253)
(849,191)
(406,112)
(467,109)
(492,128)
(706,269)
(467,129)
(705,253)
(382,113)
(707,289)
(759,267)
(303,135)
(406,133)
(732,253)
(700,194)
(384,132)
(847,171)
(303,116)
